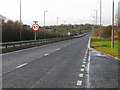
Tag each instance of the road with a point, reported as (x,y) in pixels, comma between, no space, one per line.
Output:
(64,64)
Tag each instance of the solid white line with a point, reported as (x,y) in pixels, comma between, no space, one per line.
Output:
(82,70)
(81,75)
(83,66)
(88,67)
(21,65)
(89,43)
(79,83)
(46,54)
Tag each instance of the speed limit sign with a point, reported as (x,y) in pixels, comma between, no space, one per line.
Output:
(35,27)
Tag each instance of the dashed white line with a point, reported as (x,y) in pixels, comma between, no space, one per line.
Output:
(82,70)
(58,49)
(21,65)
(46,54)
(79,83)
(84,62)
(84,59)
(83,66)
(81,75)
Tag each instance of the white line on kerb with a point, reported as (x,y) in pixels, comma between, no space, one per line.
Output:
(21,65)
(81,75)
(46,54)
(82,70)
(79,83)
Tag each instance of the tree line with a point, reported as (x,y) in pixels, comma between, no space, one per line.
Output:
(105,32)
(11,31)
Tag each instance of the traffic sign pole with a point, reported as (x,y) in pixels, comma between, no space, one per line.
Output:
(35,35)
(35,28)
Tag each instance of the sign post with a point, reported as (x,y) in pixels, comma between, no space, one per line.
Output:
(35,27)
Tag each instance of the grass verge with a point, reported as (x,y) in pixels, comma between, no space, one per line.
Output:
(104,46)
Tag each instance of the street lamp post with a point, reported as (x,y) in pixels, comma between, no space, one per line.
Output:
(57,25)
(44,24)
(100,12)
(96,16)
(57,20)
(20,23)
(112,38)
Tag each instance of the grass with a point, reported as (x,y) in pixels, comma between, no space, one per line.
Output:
(104,46)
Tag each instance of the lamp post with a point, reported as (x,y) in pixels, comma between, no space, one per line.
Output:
(44,24)
(57,25)
(96,16)
(100,12)
(57,20)
(20,23)
(112,38)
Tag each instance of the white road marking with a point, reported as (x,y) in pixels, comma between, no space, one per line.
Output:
(89,43)
(84,59)
(21,65)
(81,75)
(84,62)
(46,54)
(66,46)
(82,70)
(88,67)
(79,83)
(58,49)
(83,66)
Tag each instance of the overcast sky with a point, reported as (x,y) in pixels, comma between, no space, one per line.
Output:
(71,11)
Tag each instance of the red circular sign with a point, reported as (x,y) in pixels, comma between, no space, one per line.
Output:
(35,27)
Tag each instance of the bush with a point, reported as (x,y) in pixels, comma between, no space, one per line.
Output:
(105,31)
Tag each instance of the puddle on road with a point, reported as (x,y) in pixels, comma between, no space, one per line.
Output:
(97,54)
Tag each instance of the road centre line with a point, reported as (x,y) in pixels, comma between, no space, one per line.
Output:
(22,65)
(46,54)
(58,49)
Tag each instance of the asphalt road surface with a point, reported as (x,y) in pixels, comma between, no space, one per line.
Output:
(64,64)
